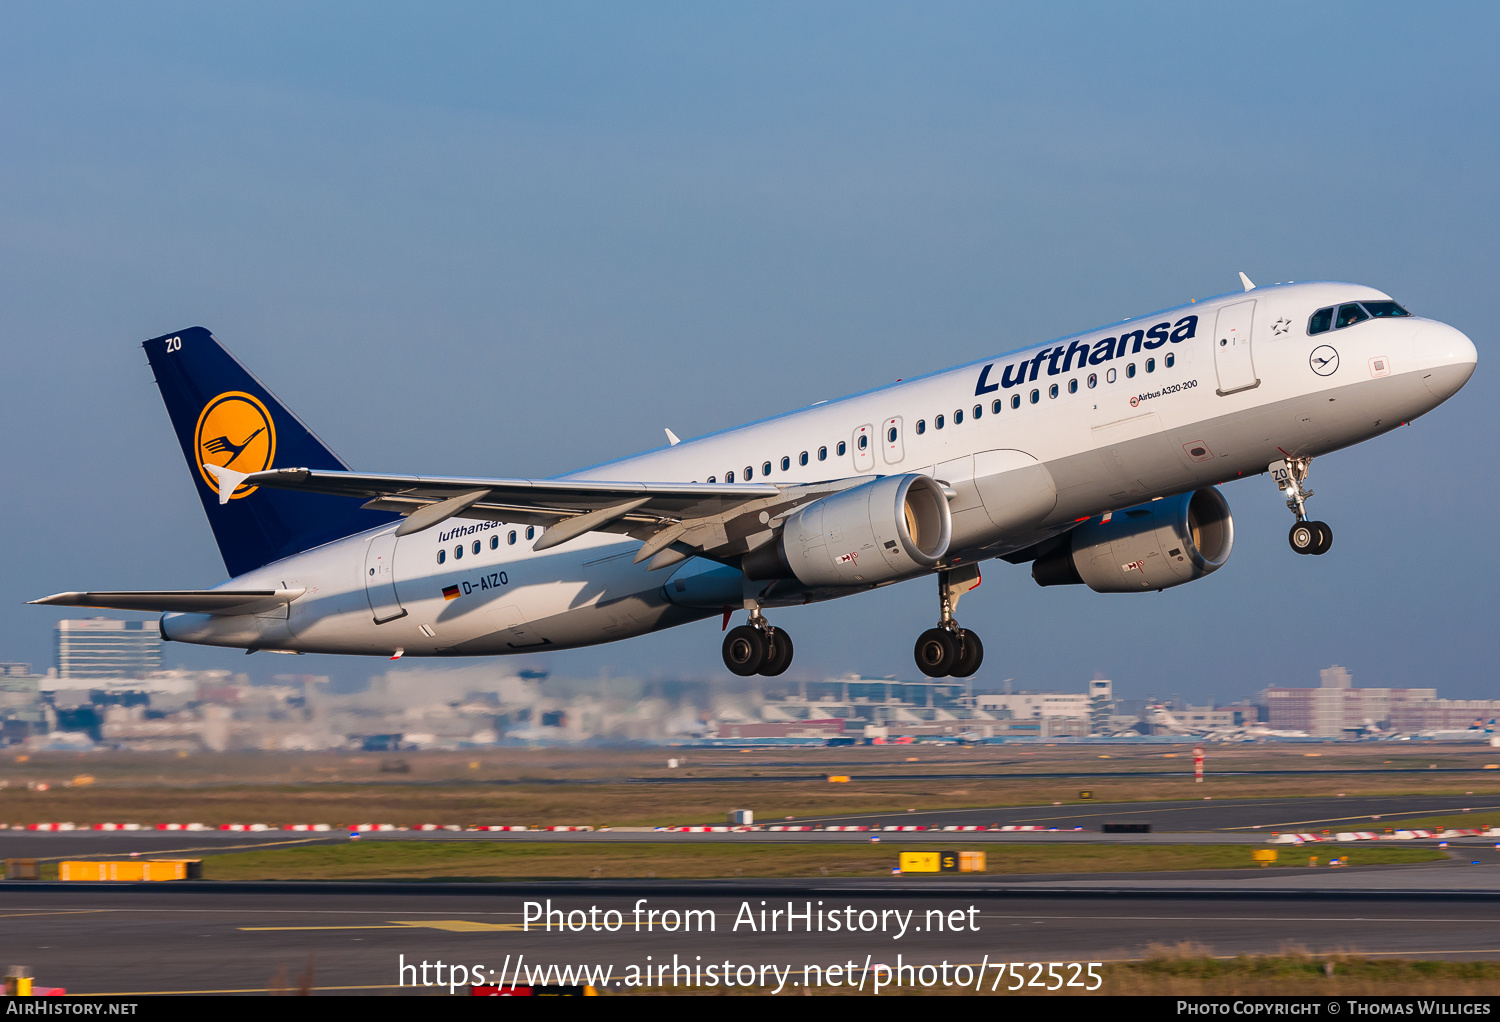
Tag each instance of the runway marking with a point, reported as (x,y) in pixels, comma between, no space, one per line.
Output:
(244,990)
(450,925)
(1245,919)
(175,851)
(372,927)
(1115,808)
(57,912)
(1367,816)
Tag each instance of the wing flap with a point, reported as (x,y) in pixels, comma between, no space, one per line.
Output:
(722,520)
(189,601)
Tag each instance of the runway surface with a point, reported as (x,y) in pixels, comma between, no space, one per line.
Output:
(1200,821)
(351,938)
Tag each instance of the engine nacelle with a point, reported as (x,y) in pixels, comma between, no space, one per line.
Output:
(878,531)
(1152,546)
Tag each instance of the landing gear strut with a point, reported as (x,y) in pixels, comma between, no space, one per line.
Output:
(757,648)
(1306,537)
(948,650)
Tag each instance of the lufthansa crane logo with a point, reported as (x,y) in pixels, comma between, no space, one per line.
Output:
(1324,360)
(235,431)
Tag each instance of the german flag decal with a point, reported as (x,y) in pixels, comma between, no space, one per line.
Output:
(451,593)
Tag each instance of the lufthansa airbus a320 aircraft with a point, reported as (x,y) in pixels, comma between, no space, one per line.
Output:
(1094,457)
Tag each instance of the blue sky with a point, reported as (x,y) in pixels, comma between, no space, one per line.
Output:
(476,239)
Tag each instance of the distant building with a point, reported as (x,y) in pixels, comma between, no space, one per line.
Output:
(1336,706)
(102,647)
(1101,705)
(1217,716)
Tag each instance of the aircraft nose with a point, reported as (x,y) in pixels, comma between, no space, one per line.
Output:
(1450,358)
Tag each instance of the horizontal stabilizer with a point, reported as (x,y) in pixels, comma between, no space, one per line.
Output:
(187,601)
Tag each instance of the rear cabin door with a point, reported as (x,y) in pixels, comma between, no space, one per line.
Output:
(380,578)
(1232,347)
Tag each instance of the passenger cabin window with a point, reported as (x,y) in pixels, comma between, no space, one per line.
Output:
(864,441)
(765,468)
(1015,400)
(786,464)
(822,454)
(1072,386)
(1150,365)
(750,472)
(996,405)
(1052,390)
(511,539)
(937,421)
(458,552)
(1130,370)
(713,479)
(978,411)
(802,459)
(958,416)
(494,542)
(842,448)
(1171,360)
(1109,377)
(531,532)
(890,435)
(1321,321)
(1094,379)
(729,477)
(921,426)
(1036,396)
(442,556)
(476,548)
(1350,314)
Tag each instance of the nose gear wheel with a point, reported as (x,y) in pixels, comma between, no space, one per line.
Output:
(1306,537)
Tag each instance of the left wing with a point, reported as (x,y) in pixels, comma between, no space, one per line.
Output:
(674,521)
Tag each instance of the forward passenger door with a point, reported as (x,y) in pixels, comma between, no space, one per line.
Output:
(1232,357)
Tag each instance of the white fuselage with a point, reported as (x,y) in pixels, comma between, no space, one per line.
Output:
(1166,412)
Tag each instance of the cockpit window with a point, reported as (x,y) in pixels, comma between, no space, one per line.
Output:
(1350,314)
(1382,310)
(1321,322)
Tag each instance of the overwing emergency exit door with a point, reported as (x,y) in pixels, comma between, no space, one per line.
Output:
(380,578)
(1232,357)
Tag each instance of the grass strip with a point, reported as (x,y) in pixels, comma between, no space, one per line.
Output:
(393,860)
(1191,969)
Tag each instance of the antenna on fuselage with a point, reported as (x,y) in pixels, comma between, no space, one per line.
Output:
(672,438)
(1249,284)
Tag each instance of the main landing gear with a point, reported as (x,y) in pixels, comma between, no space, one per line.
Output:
(1306,537)
(948,650)
(757,648)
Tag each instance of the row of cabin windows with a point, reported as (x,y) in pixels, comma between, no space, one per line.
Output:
(478,545)
(840,449)
(938,422)
(977,411)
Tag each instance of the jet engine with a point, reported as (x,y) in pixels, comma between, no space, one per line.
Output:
(1153,546)
(879,531)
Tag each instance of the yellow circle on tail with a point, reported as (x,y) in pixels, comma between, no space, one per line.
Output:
(234,431)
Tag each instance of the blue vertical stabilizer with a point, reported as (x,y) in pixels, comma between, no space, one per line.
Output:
(224,416)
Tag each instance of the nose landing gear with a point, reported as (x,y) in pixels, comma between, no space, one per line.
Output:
(948,650)
(1306,537)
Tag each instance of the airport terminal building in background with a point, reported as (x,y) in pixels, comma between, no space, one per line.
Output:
(108,690)
(102,647)
(1336,707)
